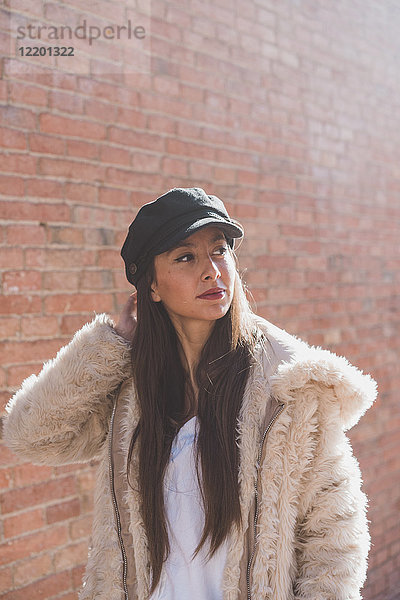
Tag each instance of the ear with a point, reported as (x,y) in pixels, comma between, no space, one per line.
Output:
(154,293)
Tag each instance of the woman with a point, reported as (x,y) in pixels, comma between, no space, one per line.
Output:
(225,472)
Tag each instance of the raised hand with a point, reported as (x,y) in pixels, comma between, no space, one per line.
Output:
(128,318)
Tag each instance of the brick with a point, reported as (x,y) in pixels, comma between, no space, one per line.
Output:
(71,323)
(127,178)
(32,569)
(109,258)
(15,282)
(63,511)
(23,522)
(65,81)
(70,556)
(15,305)
(191,93)
(247,177)
(65,303)
(4,399)
(97,109)
(130,118)
(43,588)
(18,117)
(61,281)
(14,210)
(146,162)
(99,89)
(77,576)
(7,457)
(3,378)
(5,478)
(71,236)
(86,485)
(53,212)
(275,262)
(50,123)
(11,257)
(35,257)
(122,177)
(80,191)
(6,579)
(11,352)
(136,139)
(96,280)
(64,14)
(58,257)
(12,138)
(175,146)
(161,123)
(46,144)
(11,186)
(27,474)
(9,327)
(37,494)
(27,94)
(33,543)
(26,234)
(101,236)
(234,158)
(82,149)
(100,215)
(3,91)
(81,527)
(224,175)
(202,171)
(17,373)
(174,166)
(66,102)
(110,154)
(70,596)
(114,197)
(70,169)
(65,469)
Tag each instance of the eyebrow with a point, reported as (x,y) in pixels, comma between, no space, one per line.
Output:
(184,244)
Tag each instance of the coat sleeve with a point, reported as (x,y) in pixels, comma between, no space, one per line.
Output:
(61,416)
(332,538)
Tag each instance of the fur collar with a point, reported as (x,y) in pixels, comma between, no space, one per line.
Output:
(297,365)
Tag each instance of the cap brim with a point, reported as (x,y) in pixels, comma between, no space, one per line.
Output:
(230,229)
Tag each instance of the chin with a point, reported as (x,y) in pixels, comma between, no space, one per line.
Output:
(218,312)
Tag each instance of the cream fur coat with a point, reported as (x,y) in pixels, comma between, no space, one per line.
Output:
(304,533)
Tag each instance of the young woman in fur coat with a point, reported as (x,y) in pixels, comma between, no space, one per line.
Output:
(224,469)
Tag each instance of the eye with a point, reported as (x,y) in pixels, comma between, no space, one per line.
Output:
(223,248)
(180,259)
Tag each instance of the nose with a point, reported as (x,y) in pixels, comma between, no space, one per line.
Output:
(211,270)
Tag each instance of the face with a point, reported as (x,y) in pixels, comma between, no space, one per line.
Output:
(202,261)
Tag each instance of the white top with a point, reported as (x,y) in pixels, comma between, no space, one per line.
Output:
(181,577)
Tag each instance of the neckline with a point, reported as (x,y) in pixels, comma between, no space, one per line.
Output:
(187,422)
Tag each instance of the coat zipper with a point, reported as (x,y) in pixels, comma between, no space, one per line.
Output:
(249,564)
(115,505)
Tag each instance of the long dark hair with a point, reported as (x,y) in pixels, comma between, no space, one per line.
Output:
(162,382)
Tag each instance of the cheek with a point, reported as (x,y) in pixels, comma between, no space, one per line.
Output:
(174,287)
(230,270)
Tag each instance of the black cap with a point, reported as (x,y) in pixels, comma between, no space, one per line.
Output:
(161,224)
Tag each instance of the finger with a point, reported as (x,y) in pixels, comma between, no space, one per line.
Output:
(131,300)
(131,305)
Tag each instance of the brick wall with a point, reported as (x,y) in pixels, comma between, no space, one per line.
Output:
(288,110)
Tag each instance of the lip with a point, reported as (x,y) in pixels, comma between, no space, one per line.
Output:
(213,293)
